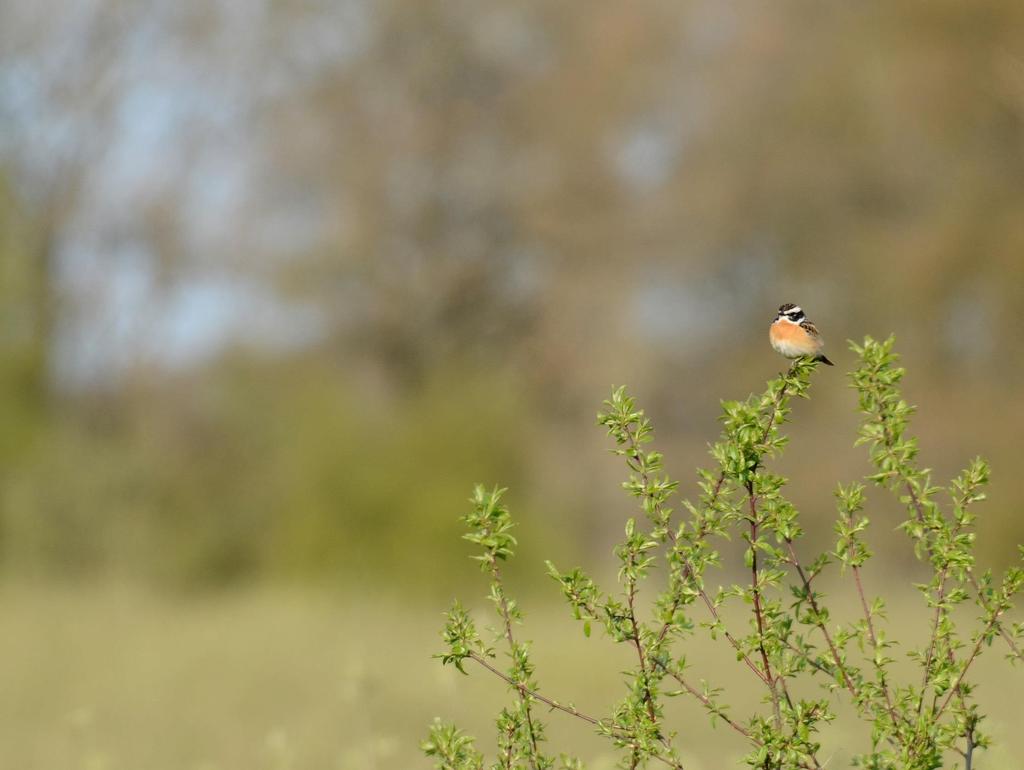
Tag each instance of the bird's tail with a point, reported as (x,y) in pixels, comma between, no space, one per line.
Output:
(824,360)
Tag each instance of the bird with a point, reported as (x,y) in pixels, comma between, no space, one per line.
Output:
(793,335)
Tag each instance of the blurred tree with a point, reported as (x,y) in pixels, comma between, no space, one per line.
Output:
(23,332)
(420,205)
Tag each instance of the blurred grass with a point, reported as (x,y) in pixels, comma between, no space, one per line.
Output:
(105,677)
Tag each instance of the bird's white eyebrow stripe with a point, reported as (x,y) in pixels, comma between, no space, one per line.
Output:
(794,311)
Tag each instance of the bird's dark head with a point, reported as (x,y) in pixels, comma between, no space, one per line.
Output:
(790,312)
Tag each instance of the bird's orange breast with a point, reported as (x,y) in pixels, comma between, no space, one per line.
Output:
(792,340)
(783,331)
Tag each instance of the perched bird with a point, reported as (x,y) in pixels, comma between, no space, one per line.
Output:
(794,336)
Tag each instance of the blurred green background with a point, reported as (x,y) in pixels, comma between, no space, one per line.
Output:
(279,281)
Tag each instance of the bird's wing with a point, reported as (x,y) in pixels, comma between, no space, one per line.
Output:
(810,328)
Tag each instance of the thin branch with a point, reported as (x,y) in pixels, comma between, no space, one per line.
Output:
(509,745)
(940,610)
(804,655)
(690,573)
(648,695)
(710,705)
(999,626)
(879,668)
(524,699)
(718,712)
(526,691)
(992,622)
(564,708)
(758,612)
(836,657)
(777,404)
(688,570)
(918,507)
(645,677)
(969,751)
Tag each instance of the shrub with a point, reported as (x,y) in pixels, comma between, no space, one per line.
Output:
(915,723)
